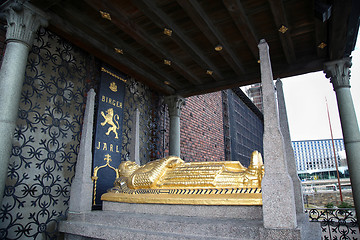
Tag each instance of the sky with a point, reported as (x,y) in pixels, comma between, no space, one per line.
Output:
(306,105)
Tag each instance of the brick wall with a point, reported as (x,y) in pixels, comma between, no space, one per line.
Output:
(219,126)
(202,135)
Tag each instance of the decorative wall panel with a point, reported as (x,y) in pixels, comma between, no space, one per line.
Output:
(46,140)
(47,135)
(48,131)
(139,96)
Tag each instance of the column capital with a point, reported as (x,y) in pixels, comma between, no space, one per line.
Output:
(175,104)
(339,72)
(23,20)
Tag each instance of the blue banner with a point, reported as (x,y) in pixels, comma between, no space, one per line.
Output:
(108,135)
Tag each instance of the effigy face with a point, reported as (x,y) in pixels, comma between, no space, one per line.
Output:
(172,181)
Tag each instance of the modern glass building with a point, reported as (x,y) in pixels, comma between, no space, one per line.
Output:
(315,158)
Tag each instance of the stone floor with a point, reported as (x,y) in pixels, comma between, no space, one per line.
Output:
(152,221)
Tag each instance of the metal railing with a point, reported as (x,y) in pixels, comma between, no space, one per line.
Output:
(336,224)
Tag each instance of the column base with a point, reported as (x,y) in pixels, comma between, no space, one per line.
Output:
(278,201)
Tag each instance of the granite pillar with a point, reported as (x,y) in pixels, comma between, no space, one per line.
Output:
(277,187)
(23,20)
(82,186)
(175,104)
(289,151)
(339,73)
(135,138)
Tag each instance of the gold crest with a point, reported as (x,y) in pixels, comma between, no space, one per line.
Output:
(110,119)
(113,87)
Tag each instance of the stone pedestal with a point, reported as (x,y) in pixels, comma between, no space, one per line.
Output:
(82,186)
(23,20)
(277,187)
(289,151)
(155,221)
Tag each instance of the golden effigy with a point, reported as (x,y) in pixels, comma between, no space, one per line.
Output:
(170,180)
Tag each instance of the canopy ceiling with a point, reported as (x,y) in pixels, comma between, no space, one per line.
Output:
(174,46)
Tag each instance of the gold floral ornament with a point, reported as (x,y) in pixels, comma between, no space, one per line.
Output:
(105,15)
(119,51)
(168,32)
(170,180)
(283,29)
(167,62)
(218,48)
(322,45)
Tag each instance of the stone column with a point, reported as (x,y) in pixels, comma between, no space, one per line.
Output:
(289,151)
(135,138)
(277,187)
(23,20)
(339,74)
(175,104)
(82,186)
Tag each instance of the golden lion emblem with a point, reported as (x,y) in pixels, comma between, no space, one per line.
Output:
(110,119)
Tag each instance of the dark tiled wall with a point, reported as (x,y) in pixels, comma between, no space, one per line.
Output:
(246,127)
